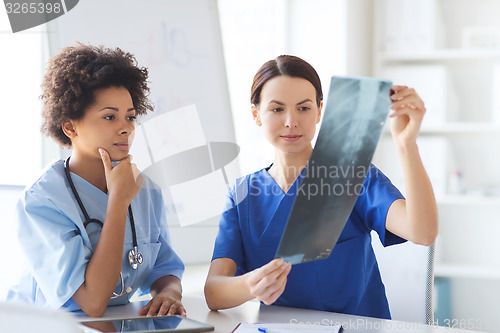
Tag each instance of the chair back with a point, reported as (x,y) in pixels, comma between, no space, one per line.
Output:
(407,271)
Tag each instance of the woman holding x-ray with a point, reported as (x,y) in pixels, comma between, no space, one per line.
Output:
(287,102)
(93,230)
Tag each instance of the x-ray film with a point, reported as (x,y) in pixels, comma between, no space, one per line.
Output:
(354,116)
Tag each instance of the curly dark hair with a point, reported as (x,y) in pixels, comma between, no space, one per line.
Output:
(74,74)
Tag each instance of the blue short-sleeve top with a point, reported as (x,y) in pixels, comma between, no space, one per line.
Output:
(58,247)
(348,281)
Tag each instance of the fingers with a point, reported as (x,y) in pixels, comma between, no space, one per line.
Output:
(397,88)
(182,311)
(406,101)
(266,274)
(155,306)
(402,92)
(145,309)
(172,309)
(273,265)
(272,293)
(275,295)
(411,101)
(108,165)
(162,307)
(106,160)
(268,282)
(177,308)
(124,178)
(151,309)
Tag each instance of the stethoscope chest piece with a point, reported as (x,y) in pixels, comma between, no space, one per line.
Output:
(134,257)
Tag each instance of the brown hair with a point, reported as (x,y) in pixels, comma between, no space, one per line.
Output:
(289,66)
(74,75)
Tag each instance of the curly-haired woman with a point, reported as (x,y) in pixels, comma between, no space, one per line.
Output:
(92,228)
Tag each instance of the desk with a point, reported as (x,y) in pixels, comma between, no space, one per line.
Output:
(225,321)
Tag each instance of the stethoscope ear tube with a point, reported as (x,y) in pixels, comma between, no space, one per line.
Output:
(77,197)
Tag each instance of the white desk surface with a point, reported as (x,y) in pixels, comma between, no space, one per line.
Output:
(225,321)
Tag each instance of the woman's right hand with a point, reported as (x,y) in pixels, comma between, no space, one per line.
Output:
(268,282)
(124,179)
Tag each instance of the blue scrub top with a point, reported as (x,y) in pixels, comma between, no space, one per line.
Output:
(348,281)
(58,248)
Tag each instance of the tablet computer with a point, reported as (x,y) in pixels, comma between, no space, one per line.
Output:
(146,324)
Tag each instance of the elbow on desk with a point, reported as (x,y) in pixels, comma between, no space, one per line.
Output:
(93,302)
(212,307)
(94,310)
(209,298)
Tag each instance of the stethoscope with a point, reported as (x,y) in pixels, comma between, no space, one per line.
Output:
(134,256)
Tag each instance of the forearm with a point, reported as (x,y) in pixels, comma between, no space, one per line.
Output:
(223,292)
(103,270)
(168,282)
(421,210)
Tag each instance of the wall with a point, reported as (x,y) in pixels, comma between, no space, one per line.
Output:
(13,261)
(256,31)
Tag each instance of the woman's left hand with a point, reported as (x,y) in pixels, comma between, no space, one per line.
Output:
(167,302)
(407,113)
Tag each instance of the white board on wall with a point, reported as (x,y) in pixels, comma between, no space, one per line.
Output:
(179,41)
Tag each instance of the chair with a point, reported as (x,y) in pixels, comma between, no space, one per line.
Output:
(408,274)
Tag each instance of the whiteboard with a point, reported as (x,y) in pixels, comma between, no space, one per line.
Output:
(179,42)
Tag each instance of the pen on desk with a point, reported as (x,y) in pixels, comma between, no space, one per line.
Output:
(267,330)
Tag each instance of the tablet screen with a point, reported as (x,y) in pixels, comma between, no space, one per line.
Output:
(148,324)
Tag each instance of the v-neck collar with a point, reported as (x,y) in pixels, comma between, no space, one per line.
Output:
(88,185)
(273,181)
(85,185)
(274,217)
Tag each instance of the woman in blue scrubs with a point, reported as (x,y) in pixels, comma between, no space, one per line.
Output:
(92,229)
(286,102)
